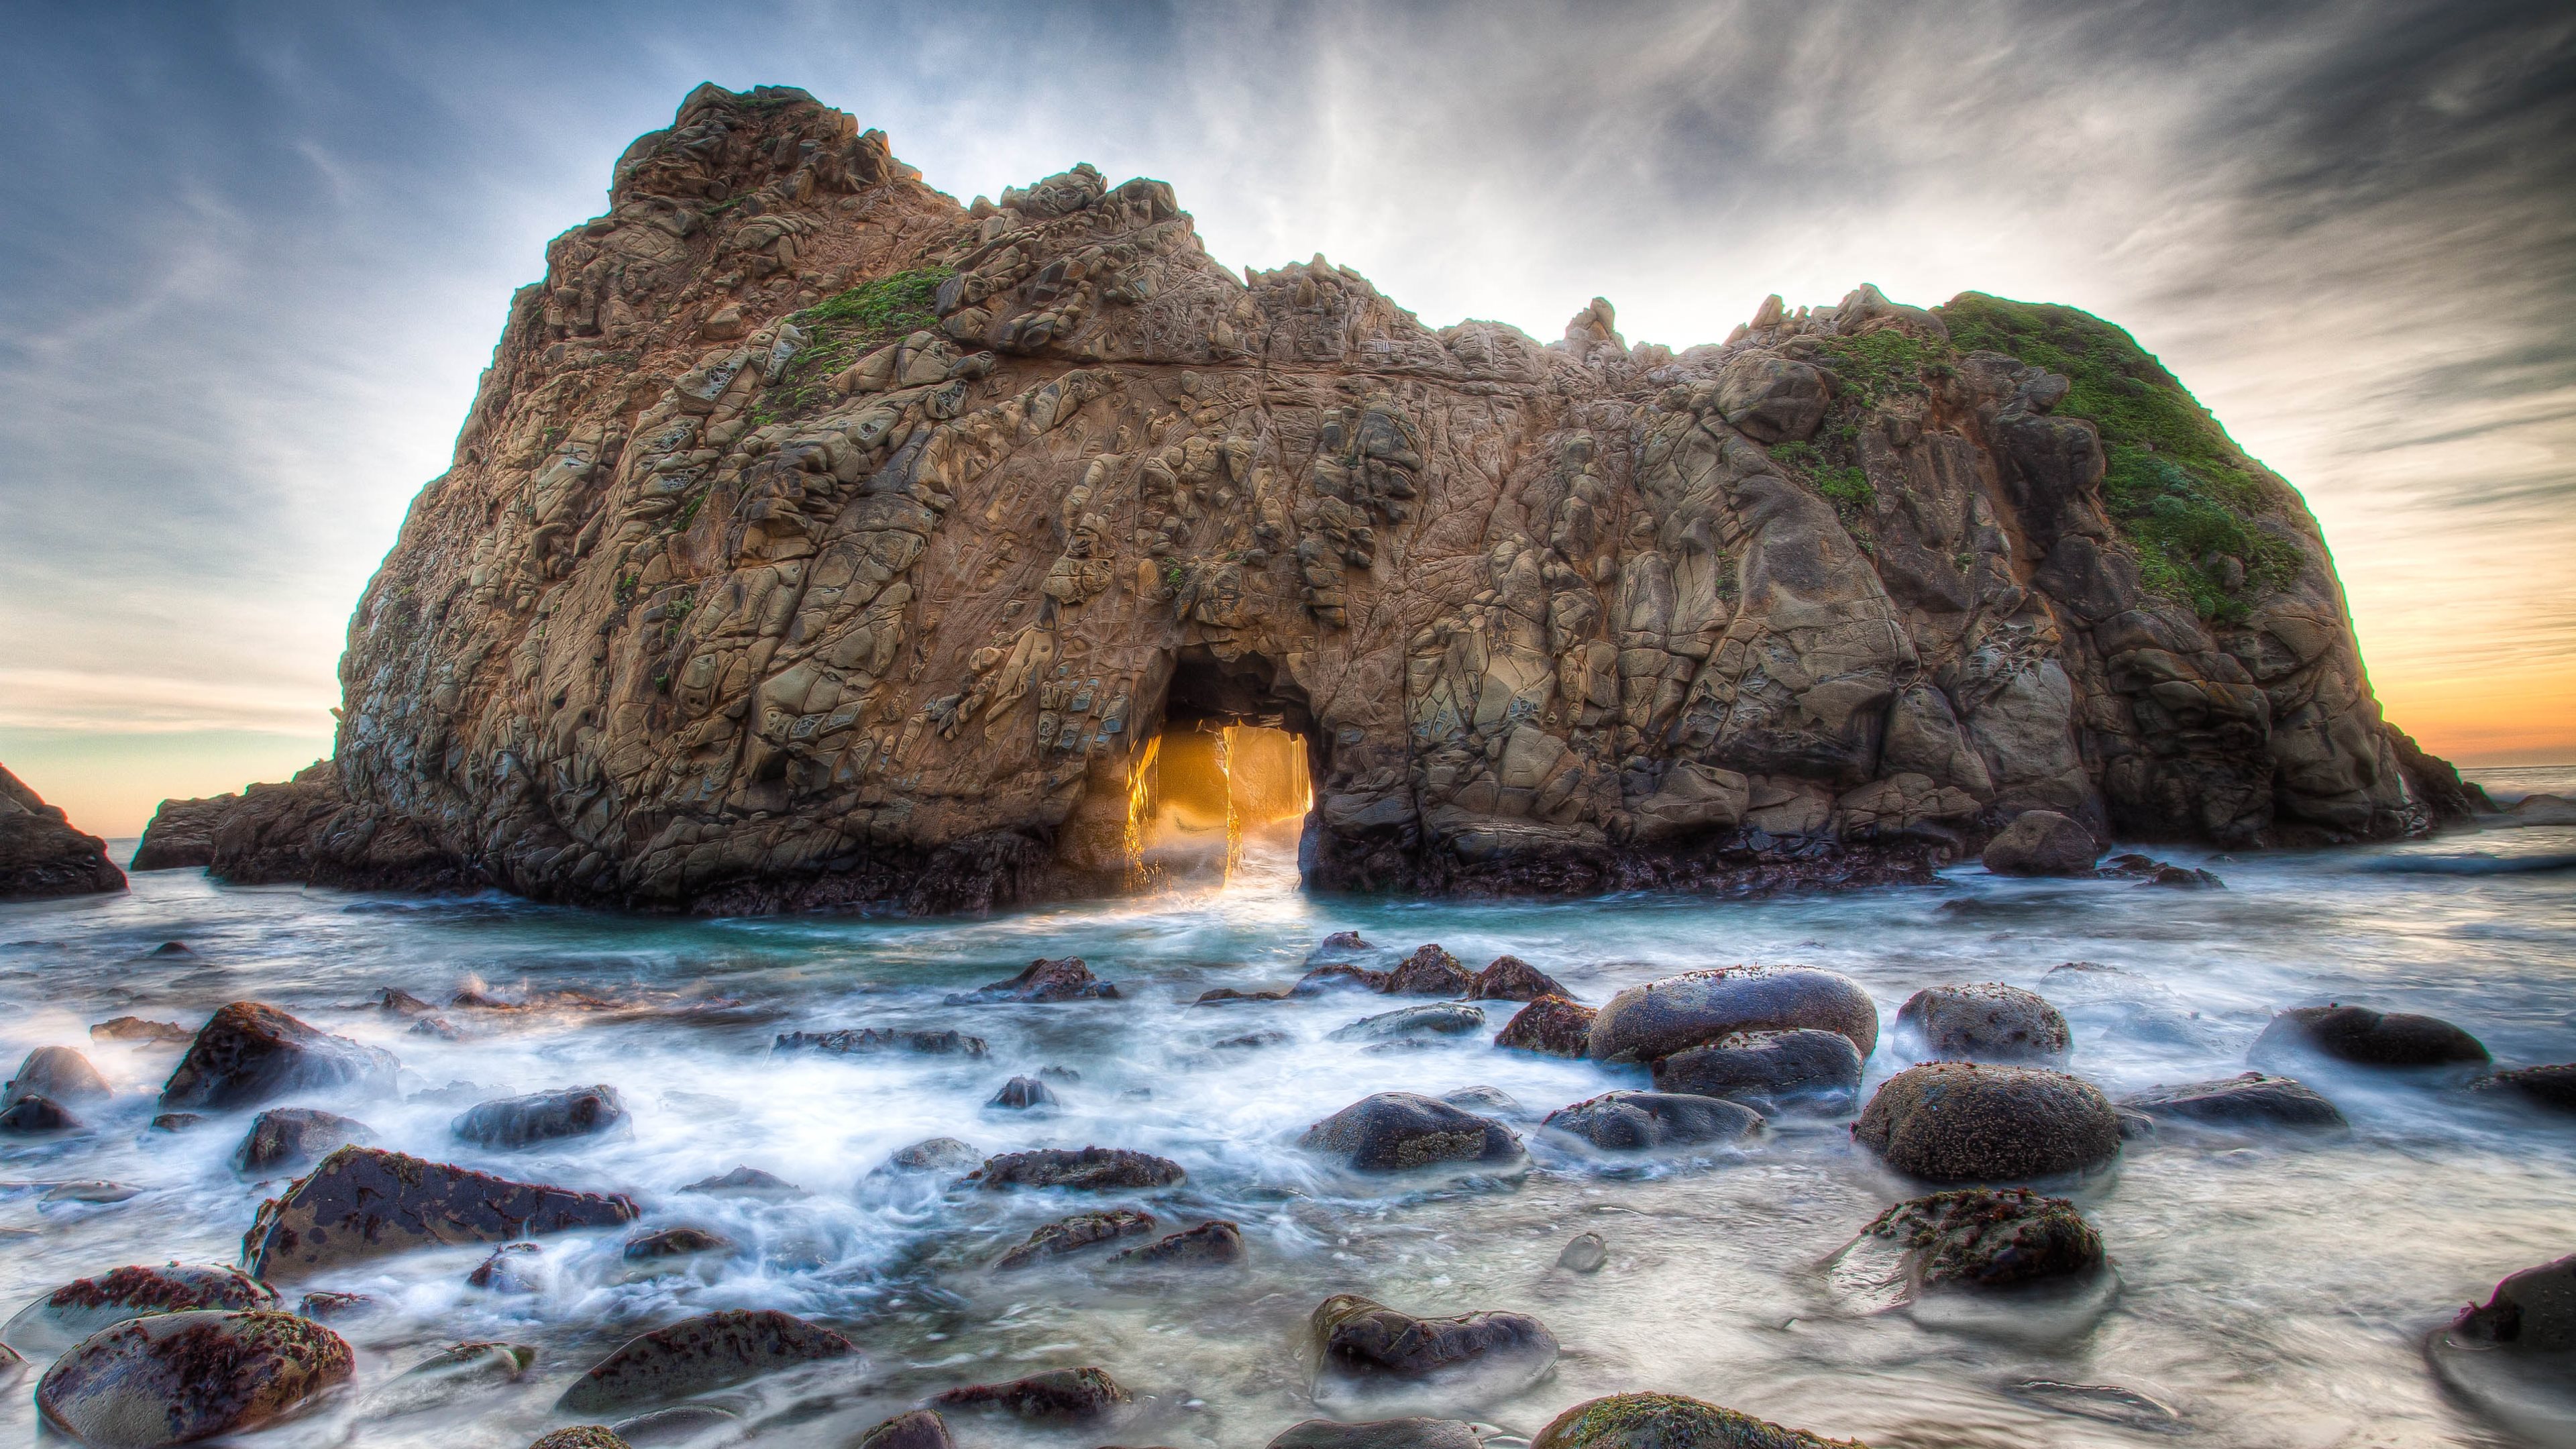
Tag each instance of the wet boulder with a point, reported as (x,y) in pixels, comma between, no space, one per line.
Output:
(932,1154)
(2251,1099)
(749,1182)
(30,1116)
(174,1378)
(57,1074)
(1989,1238)
(2511,1356)
(1363,1337)
(915,1429)
(136,1029)
(542,1117)
(1210,1244)
(1553,1026)
(2042,842)
(2550,1086)
(1379,1434)
(1338,976)
(664,1244)
(860,1041)
(1768,1070)
(326,1307)
(1698,1007)
(1972,1122)
(582,1436)
(85,1305)
(1641,1121)
(1058,1394)
(250,1053)
(1393,1131)
(1073,1234)
(1339,946)
(1510,978)
(710,1351)
(1091,1169)
(1448,1018)
(2363,1037)
(2533,1311)
(1021,1094)
(1670,1421)
(1429,971)
(1983,1022)
(1583,1253)
(1067,978)
(1227,995)
(471,1364)
(294,1137)
(362,1202)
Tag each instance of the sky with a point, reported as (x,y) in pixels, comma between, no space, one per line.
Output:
(253,257)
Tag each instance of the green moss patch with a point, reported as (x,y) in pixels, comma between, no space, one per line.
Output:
(843,328)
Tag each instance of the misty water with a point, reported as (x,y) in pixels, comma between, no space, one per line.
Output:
(2269,1291)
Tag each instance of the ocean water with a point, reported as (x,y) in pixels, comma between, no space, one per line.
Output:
(2267,1292)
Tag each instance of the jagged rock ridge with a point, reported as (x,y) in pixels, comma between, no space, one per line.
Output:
(814,539)
(41,854)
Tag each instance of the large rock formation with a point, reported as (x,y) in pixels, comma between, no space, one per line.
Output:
(813,538)
(42,855)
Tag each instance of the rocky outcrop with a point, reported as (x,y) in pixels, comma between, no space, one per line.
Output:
(181,833)
(42,855)
(362,1203)
(815,539)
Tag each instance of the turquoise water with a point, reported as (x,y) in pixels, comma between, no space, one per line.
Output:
(2269,1294)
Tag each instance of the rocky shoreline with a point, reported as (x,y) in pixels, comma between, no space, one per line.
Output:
(1988,1121)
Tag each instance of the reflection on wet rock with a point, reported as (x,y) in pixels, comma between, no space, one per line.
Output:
(365,1203)
(173,1378)
(86,1305)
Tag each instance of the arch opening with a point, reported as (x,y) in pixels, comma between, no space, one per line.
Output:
(1225,785)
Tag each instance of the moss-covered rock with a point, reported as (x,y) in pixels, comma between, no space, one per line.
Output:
(1971,1122)
(1670,1421)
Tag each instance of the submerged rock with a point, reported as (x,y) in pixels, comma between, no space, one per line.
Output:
(856,1041)
(915,1429)
(751,1182)
(2042,842)
(1068,978)
(136,1029)
(1078,1393)
(1670,1421)
(932,1154)
(542,1117)
(1510,978)
(1699,1007)
(2247,1100)
(174,1378)
(1484,1101)
(1583,1253)
(582,1436)
(1209,1244)
(1552,1026)
(674,1242)
(294,1137)
(1362,1336)
(1379,1434)
(1983,1022)
(1639,1121)
(1429,971)
(1338,976)
(2533,1311)
(2364,1037)
(1971,1122)
(1092,1169)
(1768,1070)
(250,1053)
(2549,1086)
(1073,1234)
(86,1305)
(1448,1018)
(361,1202)
(1989,1238)
(32,1115)
(710,1351)
(1393,1131)
(1021,1094)
(57,1074)
(512,1268)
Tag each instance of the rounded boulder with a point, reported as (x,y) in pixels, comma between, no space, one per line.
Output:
(1641,1121)
(2366,1038)
(1972,1122)
(1983,1022)
(174,1378)
(1695,1008)
(1393,1131)
(1670,1421)
(1768,1070)
(2042,842)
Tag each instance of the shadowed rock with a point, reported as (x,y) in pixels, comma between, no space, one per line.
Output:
(41,855)
(1073,1234)
(1068,978)
(30,1116)
(1768,1069)
(1080,1393)
(710,1351)
(2533,1311)
(173,1378)
(362,1203)
(1020,1094)
(58,1074)
(1985,1022)
(1209,1244)
(1362,1336)
(1379,1434)
(294,1137)
(1969,1122)
(1429,971)
(1698,1007)
(2368,1038)
(249,1053)
(1509,978)
(1988,1238)
(855,1041)
(2550,1086)
(1551,1026)
(1641,1121)
(181,834)
(1394,1131)
(543,1117)
(2251,1099)
(1670,1421)
(1092,1169)
(136,1029)
(2042,842)
(916,1429)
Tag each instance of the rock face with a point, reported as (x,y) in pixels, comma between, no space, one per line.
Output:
(249,1053)
(814,539)
(363,1203)
(174,1378)
(42,855)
